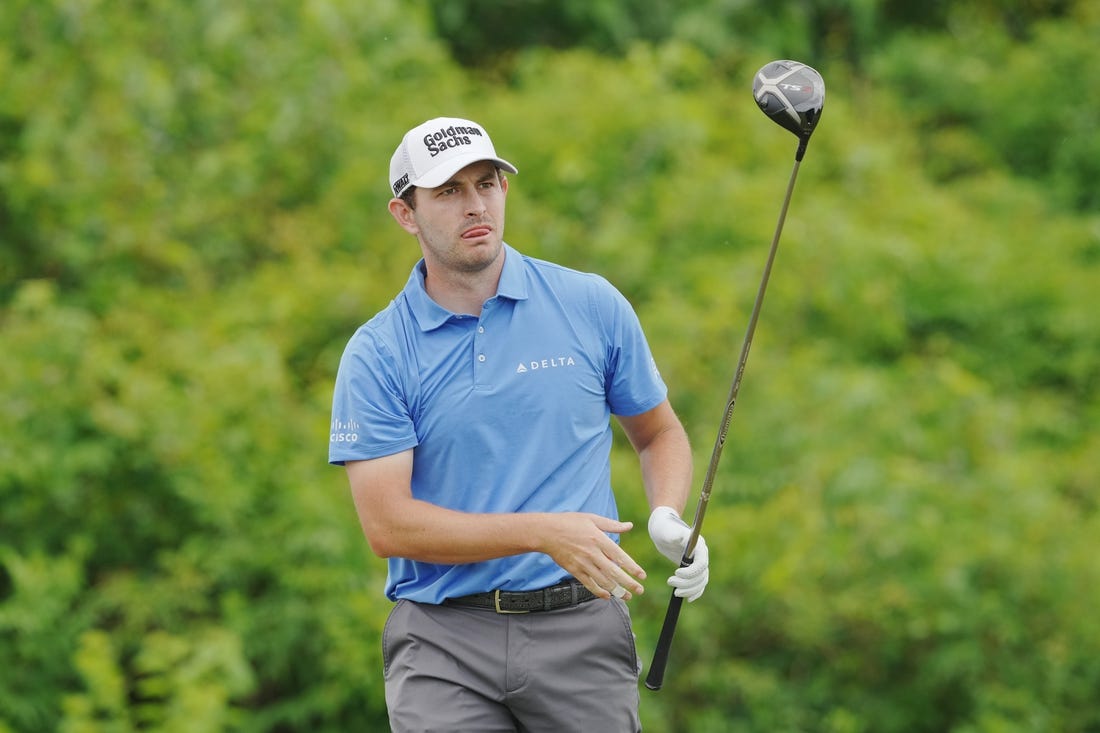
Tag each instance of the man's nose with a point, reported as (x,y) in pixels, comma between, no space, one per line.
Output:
(475,206)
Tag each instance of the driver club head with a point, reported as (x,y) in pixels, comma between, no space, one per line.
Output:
(791,94)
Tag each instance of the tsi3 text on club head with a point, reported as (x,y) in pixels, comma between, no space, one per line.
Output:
(792,95)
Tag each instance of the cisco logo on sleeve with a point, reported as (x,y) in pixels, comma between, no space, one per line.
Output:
(344,431)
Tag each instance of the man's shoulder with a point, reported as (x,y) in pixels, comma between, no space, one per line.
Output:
(559,274)
(542,265)
(385,328)
(394,312)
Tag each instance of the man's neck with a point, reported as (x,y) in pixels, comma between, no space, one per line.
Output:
(462,292)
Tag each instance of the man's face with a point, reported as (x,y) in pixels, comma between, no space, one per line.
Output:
(460,224)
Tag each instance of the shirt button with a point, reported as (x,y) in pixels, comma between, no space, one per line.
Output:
(481,329)
(481,357)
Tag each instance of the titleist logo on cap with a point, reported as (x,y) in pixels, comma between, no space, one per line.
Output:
(451,137)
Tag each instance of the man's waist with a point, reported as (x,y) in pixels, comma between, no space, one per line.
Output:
(568,592)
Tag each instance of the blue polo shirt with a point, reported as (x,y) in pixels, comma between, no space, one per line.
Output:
(507,412)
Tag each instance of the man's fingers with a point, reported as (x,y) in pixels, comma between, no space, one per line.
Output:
(620,577)
(593,585)
(595,559)
(690,580)
(622,570)
(615,526)
(625,564)
(630,584)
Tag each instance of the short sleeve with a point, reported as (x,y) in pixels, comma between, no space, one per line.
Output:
(370,403)
(632,380)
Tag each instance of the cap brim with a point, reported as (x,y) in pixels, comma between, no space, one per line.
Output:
(442,173)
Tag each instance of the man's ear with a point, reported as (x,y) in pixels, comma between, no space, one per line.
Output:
(403,215)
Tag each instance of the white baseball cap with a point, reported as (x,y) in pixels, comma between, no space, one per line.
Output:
(432,152)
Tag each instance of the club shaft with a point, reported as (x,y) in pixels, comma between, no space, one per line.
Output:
(655,678)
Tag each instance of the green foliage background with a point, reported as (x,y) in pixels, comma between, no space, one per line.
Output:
(192,223)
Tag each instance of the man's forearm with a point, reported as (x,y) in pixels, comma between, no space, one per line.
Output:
(666,466)
(422,531)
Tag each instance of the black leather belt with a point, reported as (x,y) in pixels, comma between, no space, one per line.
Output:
(566,593)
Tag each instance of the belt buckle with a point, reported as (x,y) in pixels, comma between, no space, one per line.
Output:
(496,604)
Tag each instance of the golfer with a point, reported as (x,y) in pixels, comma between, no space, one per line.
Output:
(472,415)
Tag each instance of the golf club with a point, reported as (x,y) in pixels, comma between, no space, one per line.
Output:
(792,95)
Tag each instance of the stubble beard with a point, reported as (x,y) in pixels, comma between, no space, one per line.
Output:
(466,259)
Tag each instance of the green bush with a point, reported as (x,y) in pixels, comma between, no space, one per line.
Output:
(983,94)
(192,224)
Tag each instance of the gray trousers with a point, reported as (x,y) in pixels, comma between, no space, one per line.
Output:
(457,669)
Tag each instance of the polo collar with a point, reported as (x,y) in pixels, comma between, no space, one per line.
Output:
(430,315)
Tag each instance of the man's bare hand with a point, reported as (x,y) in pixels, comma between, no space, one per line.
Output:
(579,543)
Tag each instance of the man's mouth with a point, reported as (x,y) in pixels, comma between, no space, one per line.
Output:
(476,232)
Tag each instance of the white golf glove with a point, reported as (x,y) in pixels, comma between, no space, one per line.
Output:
(670,535)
